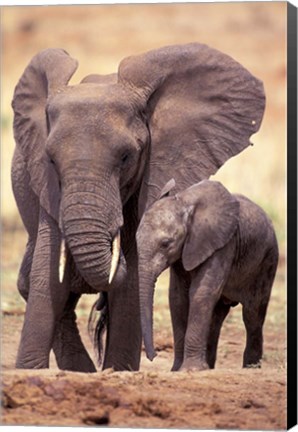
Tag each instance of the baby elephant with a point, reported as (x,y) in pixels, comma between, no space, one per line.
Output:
(222,250)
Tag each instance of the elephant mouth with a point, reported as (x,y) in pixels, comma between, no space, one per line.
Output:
(115,258)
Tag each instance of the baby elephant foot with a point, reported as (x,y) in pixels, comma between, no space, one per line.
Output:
(190,365)
(253,365)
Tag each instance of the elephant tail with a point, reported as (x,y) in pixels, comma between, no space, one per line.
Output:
(97,326)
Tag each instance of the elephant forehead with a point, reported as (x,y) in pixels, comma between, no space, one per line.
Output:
(90,100)
(164,215)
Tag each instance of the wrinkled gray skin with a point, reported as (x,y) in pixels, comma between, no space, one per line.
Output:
(89,159)
(222,250)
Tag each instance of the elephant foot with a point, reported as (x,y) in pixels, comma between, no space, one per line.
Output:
(253,364)
(77,363)
(29,358)
(35,363)
(252,358)
(70,352)
(72,355)
(193,365)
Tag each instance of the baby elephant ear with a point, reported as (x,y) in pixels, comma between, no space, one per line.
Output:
(213,223)
(167,188)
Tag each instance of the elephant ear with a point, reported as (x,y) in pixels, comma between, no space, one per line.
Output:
(215,215)
(167,189)
(46,74)
(202,107)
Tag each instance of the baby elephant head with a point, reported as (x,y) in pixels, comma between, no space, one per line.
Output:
(190,225)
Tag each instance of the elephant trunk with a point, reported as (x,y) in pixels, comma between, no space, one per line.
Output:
(146,289)
(92,233)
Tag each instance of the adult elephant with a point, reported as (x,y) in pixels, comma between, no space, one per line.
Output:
(90,158)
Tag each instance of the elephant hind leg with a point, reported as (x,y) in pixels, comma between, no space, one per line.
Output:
(220,312)
(97,326)
(253,321)
(68,347)
(255,309)
(254,317)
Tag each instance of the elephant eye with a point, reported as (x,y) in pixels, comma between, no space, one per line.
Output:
(124,157)
(165,243)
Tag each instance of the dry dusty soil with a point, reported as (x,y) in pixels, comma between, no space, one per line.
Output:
(222,399)
(225,398)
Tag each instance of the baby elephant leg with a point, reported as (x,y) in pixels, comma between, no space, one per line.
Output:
(253,317)
(205,291)
(254,312)
(220,312)
(199,319)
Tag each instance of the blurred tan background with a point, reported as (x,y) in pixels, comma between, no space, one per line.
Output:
(100,36)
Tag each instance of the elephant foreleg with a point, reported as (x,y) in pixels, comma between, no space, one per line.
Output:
(28,206)
(45,300)
(124,338)
(205,290)
(123,344)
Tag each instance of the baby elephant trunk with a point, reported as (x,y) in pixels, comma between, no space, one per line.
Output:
(147,285)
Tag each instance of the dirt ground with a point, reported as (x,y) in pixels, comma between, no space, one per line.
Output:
(227,397)
(206,400)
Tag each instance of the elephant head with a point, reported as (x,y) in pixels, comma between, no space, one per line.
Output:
(179,110)
(191,225)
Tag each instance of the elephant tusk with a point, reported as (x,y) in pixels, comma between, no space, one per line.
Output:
(62,261)
(115,256)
